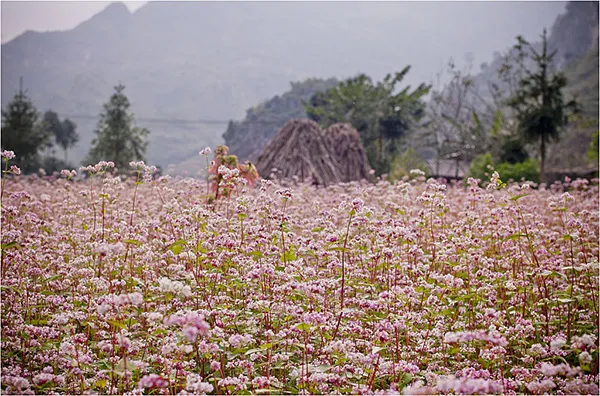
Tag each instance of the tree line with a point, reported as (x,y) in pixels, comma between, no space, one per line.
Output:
(32,137)
(458,123)
(509,128)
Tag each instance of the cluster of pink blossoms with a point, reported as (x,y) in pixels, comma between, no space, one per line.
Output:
(131,285)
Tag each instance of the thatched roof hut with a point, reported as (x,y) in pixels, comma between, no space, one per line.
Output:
(344,143)
(299,149)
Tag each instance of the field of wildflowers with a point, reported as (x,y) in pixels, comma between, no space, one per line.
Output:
(142,285)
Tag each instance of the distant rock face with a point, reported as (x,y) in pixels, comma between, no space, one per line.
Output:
(574,32)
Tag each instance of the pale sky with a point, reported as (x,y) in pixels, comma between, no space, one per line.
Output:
(19,16)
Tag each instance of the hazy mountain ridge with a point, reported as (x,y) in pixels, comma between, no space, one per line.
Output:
(573,35)
(212,61)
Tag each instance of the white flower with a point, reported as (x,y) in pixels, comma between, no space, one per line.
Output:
(358,204)
(136,298)
(166,285)
(185,291)
(7,154)
(195,384)
(588,340)
(585,358)
(137,165)
(495,182)
(102,308)
(557,343)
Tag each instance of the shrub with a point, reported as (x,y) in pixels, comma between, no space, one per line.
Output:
(482,165)
(528,170)
(403,164)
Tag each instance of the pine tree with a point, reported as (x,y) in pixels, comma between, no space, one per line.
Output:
(22,134)
(117,139)
(541,110)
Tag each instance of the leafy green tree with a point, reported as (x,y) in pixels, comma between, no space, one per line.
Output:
(380,112)
(116,138)
(65,134)
(540,108)
(22,133)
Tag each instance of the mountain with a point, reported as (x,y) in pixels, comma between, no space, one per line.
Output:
(572,36)
(575,32)
(250,136)
(582,78)
(189,67)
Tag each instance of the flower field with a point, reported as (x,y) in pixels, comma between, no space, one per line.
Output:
(143,285)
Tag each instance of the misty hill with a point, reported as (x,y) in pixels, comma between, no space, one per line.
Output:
(250,136)
(572,36)
(182,62)
(582,75)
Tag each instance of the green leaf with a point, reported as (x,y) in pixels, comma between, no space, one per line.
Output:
(9,245)
(251,351)
(120,368)
(52,278)
(497,126)
(101,383)
(120,325)
(38,322)
(177,246)
(256,254)
(377,349)
(515,236)
(303,326)
(133,242)
(517,197)
(338,249)
(288,256)
(566,300)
